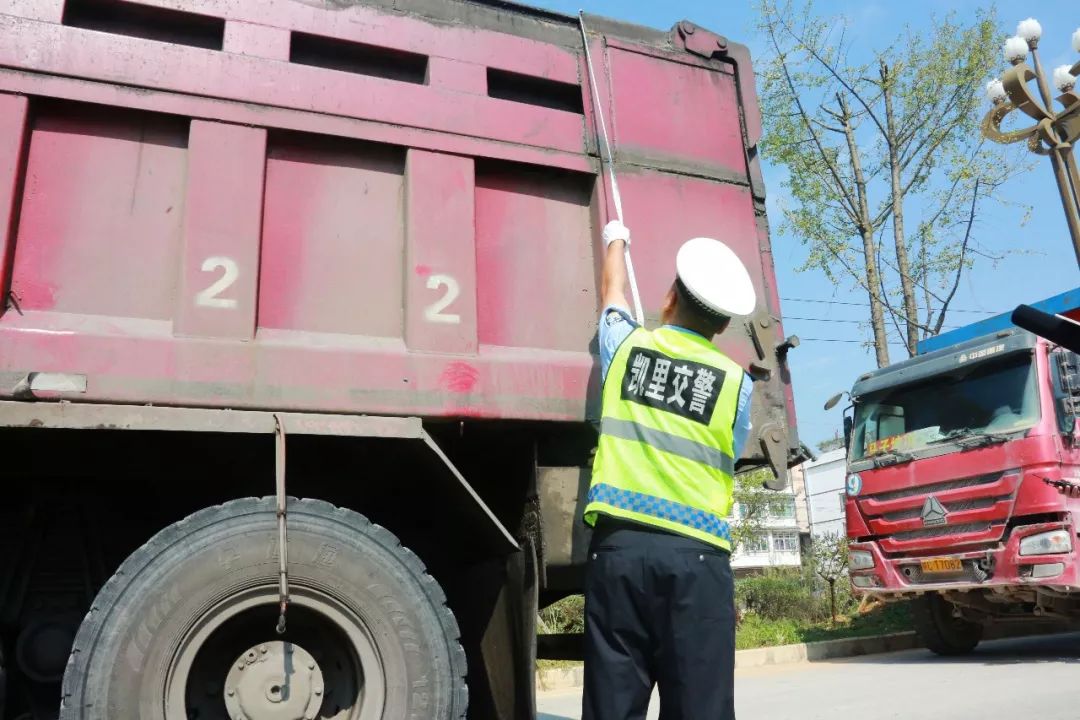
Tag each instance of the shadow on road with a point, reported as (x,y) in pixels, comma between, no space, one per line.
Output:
(1021,651)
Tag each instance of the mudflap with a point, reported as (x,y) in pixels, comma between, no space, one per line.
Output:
(499,626)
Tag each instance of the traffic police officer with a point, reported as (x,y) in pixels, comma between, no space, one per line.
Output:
(659,592)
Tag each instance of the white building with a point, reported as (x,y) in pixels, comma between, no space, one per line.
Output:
(781,542)
(825,492)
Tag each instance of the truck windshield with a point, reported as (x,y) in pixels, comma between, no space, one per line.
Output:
(991,397)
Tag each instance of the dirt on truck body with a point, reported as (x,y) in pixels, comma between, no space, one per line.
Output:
(298,339)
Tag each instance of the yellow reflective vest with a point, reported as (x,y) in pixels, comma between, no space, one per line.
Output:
(666,453)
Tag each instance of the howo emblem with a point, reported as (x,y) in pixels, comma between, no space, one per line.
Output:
(933,512)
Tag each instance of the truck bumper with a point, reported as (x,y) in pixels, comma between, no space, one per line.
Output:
(989,568)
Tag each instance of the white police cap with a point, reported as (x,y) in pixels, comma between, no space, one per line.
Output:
(715,276)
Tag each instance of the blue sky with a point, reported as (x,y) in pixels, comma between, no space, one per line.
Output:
(1045,265)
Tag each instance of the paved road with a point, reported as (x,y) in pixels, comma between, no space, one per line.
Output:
(1003,680)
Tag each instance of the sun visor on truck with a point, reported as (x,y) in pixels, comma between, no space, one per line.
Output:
(970,352)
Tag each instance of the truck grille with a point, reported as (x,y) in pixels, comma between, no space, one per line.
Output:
(942,531)
(977,509)
(924,490)
(952,507)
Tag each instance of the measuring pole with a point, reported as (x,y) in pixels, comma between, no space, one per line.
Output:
(605,145)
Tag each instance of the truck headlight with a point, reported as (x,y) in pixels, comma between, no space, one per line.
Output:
(854,484)
(860,560)
(1047,543)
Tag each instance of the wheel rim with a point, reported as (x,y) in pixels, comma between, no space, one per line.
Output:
(277,681)
(348,667)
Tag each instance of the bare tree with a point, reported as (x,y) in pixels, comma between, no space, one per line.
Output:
(889,145)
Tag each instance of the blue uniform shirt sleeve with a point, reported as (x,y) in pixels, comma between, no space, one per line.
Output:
(742,427)
(615,326)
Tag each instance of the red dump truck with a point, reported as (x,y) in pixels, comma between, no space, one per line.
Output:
(955,461)
(298,338)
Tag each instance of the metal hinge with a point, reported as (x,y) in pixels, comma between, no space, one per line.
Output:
(699,41)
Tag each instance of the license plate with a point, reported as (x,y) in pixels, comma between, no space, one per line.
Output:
(942,565)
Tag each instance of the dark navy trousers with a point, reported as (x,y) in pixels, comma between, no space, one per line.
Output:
(659,611)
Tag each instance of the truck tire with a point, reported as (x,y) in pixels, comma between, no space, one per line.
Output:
(171,634)
(939,631)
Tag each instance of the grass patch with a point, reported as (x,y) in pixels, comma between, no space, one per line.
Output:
(557,664)
(565,616)
(757,632)
(780,607)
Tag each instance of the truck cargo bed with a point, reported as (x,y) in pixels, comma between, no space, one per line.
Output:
(336,207)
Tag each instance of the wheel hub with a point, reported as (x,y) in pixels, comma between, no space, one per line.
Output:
(274,681)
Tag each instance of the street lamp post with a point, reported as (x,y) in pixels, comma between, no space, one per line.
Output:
(1055,131)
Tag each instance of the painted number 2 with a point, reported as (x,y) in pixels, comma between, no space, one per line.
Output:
(209,296)
(434,312)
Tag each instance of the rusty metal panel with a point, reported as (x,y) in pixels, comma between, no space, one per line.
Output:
(332,254)
(457,75)
(441,279)
(222,216)
(49,10)
(298,120)
(245,38)
(101,214)
(528,220)
(361,21)
(13,126)
(677,113)
(699,207)
(75,52)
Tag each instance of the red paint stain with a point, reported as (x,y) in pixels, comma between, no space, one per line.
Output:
(459,377)
(423,270)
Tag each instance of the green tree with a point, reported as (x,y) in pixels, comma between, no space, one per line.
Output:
(890,146)
(831,444)
(828,559)
(754,504)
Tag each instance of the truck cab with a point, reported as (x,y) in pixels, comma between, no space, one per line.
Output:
(951,457)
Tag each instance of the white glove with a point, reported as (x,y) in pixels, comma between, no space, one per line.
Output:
(615,230)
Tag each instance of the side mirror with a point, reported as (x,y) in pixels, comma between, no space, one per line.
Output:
(834,400)
(849,425)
